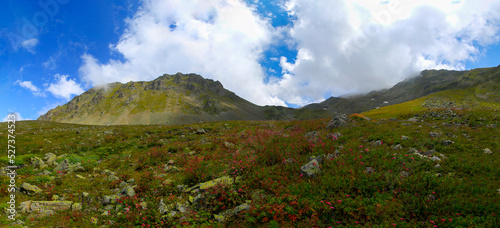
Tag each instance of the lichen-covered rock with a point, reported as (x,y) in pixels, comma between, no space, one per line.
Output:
(111,199)
(63,166)
(76,168)
(222,180)
(30,189)
(128,191)
(37,163)
(76,207)
(49,158)
(311,169)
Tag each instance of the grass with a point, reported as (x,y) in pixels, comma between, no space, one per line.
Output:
(464,195)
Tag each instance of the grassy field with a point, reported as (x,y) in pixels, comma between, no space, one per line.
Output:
(381,174)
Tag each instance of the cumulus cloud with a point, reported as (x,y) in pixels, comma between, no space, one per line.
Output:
(17,117)
(359,46)
(30,45)
(220,39)
(343,47)
(29,85)
(64,87)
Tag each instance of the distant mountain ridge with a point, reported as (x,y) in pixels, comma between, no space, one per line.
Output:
(188,98)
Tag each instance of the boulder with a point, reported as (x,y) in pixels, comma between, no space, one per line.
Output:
(30,189)
(76,168)
(128,191)
(37,163)
(221,180)
(49,158)
(63,166)
(311,169)
(338,120)
(446,142)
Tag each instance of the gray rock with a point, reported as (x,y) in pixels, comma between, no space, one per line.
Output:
(338,120)
(200,131)
(434,134)
(376,143)
(487,151)
(369,170)
(128,191)
(75,168)
(435,158)
(397,147)
(30,189)
(49,158)
(37,163)
(63,166)
(405,137)
(111,178)
(312,136)
(447,142)
(413,119)
(311,169)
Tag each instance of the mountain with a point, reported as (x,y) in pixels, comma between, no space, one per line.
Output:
(189,98)
(428,82)
(169,99)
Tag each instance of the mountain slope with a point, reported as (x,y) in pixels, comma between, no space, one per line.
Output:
(169,99)
(428,82)
(181,99)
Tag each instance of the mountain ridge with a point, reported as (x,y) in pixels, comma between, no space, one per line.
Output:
(188,98)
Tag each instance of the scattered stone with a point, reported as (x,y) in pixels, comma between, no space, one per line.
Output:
(49,158)
(404,137)
(446,142)
(170,162)
(334,136)
(317,158)
(229,145)
(338,120)
(222,180)
(55,197)
(429,152)
(111,178)
(434,134)
(435,158)
(487,151)
(312,136)
(192,153)
(397,147)
(111,199)
(76,168)
(76,207)
(128,191)
(40,214)
(44,173)
(376,143)
(200,131)
(63,166)
(37,163)
(369,170)
(437,166)
(50,205)
(413,119)
(288,161)
(404,174)
(171,169)
(311,169)
(30,189)
(80,177)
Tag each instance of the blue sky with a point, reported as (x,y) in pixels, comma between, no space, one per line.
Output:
(281,52)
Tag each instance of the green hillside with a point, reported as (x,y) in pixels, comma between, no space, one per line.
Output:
(439,169)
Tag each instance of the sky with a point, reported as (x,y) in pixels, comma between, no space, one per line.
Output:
(276,52)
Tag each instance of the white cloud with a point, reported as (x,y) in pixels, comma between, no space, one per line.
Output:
(29,85)
(64,87)
(358,46)
(220,39)
(17,114)
(343,46)
(49,107)
(30,45)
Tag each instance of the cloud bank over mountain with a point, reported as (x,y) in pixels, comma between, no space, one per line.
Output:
(342,47)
